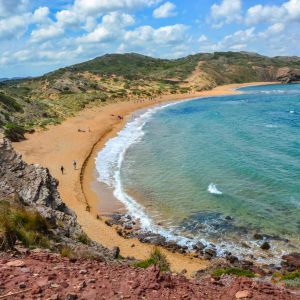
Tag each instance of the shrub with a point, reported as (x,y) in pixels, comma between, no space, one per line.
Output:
(17,223)
(83,238)
(291,279)
(66,251)
(156,258)
(14,132)
(233,271)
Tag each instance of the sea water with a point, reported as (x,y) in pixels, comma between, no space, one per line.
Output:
(216,170)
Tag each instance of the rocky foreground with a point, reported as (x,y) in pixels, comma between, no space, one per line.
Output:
(43,275)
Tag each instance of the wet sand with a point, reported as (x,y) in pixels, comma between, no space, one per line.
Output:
(61,144)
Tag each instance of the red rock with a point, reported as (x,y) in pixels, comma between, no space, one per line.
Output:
(16,263)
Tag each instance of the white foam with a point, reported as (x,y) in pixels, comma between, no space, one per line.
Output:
(212,188)
(271,126)
(109,162)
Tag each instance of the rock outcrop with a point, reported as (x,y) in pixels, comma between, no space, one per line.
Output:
(291,261)
(288,75)
(35,188)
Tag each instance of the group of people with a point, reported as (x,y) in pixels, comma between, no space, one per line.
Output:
(74,163)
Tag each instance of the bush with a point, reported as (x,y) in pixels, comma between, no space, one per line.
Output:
(83,238)
(14,132)
(17,223)
(10,103)
(291,279)
(66,251)
(156,258)
(233,271)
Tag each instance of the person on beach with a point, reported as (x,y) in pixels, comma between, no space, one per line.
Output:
(62,170)
(74,164)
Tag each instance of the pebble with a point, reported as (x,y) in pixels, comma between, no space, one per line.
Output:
(242,294)
(25,270)
(82,285)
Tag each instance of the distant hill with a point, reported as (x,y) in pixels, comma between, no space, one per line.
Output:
(50,98)
(13,78)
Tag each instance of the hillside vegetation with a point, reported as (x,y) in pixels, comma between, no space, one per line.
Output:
(37,102)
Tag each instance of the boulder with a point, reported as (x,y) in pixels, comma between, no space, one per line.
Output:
(265,246)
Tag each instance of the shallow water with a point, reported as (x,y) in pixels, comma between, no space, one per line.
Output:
(215,169)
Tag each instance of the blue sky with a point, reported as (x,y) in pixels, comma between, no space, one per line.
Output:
(40,36)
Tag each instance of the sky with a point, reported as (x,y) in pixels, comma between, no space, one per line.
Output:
(40,36)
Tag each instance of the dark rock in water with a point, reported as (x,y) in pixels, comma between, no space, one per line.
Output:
(265,246)
(209,253)
(231,258)
(291,261)
(128,225)
(199,246)
(213,222)
(149,237)
(258,236)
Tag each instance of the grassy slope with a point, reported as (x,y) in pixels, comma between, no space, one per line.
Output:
(117,77)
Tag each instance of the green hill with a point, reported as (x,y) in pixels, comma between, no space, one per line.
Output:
(48,99)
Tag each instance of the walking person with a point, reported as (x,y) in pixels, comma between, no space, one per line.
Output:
(62,170)
(74,164)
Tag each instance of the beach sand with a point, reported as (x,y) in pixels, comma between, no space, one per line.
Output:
(61,144)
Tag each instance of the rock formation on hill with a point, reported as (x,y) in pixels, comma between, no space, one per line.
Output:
(288,75)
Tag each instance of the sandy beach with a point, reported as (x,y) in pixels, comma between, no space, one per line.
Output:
(80,138)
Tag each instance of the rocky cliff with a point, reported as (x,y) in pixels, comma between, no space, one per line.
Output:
(36,189)
(288,75)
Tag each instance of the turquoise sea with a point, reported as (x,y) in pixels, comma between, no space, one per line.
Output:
(216,169)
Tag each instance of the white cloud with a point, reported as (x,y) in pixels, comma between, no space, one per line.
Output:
(45,33)
(166,10)
(147,36)
(95,7)
(202,38)
(12,7)
(110,28)
(260,13)
(67,18)
(236,41)
(274,29)
(14,27)
(293,9)
(287,12)
(227,11)
(40,15)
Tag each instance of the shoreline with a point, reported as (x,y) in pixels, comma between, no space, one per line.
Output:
(60,144)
